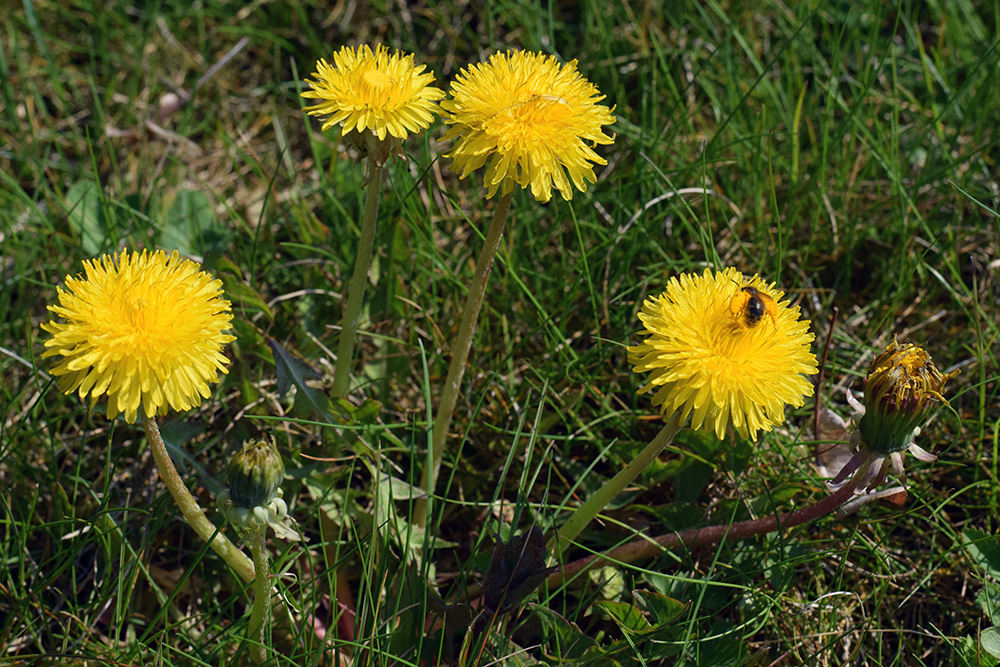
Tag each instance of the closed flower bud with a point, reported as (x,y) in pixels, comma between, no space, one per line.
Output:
(255,474)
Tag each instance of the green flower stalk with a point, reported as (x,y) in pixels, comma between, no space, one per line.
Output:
(532,122)
(253,502)
(379,98)
(900,390)
(460,356)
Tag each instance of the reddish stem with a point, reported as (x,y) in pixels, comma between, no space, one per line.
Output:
(699,537)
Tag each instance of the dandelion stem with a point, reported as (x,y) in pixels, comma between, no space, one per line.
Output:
(700,537)
(261,598)
(589,509)
(356,291)
(460,355)
(189,507)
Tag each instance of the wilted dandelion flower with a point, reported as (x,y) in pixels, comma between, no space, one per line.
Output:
(902,386)
(727,356)
(532,119)
(380,92)
(141,328)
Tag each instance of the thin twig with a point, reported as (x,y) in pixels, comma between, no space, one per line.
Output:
(822,371)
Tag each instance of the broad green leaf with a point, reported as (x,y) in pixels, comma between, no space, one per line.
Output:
(391,523)
(245,297)
(984,550)
(608,580)
(724,647)
(401,490)
(627,616)
(294,372)
(988,600)
(664,608)
(338,503)
(86,216)
(991,641)
(571,641)
(191,227)
(367,413)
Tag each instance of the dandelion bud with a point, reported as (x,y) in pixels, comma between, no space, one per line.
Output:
(254,500)
(901,387)
(255,473)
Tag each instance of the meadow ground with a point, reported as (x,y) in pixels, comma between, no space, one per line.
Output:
(846,151)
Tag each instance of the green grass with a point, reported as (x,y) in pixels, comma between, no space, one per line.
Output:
(848,151)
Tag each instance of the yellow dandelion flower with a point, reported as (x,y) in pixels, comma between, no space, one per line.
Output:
(531,119)
(728,353)
(144,329)
(380,92)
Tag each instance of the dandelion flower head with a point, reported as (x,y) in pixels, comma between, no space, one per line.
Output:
(144,329)
(901,388)
(533,120)
(727,367)
(380,92)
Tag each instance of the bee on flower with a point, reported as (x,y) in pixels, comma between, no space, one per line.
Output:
(749,306)
(702,364)
(707,365)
